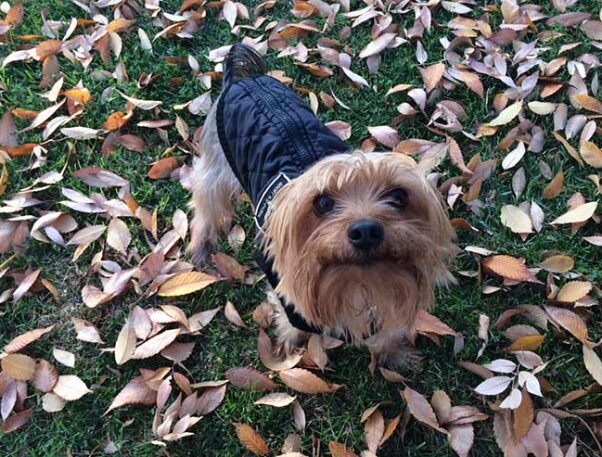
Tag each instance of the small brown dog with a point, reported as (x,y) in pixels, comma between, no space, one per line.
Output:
(354,243)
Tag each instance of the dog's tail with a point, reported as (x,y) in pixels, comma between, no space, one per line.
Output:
(242,61)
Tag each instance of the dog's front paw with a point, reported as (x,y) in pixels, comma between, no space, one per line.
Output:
(404,357)
(200,251)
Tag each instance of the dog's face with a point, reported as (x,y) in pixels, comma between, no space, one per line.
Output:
(359,242)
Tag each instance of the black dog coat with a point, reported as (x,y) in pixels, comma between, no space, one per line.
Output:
(270,136)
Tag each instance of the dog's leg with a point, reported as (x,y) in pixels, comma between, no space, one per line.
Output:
(290,338)
(214,186)
(392,350)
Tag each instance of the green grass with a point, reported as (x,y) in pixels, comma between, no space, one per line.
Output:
(81,428)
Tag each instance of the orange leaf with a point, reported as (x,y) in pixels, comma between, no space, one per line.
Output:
(163,168)
(115,121)
(509,267)
(554,187)
(48,48)
(588,102)
(18,151)
(340,450)
(306,382)
(250,439)
(526,343)
(81,96)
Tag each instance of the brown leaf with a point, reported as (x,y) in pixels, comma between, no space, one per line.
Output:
(136,392)
(186,283)
(554,187)
(163,168)
(340,450)
(18,366)
(228,267)
(178,352)
(131,142)
(421,410)
(16,421)
(455,154)
(570,321)
(509,267)
(233,316)
(589,103)
(48,48)
(98,177)
(306,382)
(23,340)
(250,439)
(316,351)
(432,75)
(156,344)
(26,284)
(427,323)
(573,291)
(248,378)
(210,400)
(45,376)
(523,416)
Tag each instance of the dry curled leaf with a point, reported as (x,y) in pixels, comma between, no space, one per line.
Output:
(421,409)
(136,392)
(306,382)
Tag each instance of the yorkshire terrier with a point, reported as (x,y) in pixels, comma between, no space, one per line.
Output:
(354,243)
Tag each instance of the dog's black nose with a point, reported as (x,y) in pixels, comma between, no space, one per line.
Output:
(366,234)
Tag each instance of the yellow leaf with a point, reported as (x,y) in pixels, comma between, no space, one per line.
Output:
(507,115)
(186,283)
(573,291)
(558,264)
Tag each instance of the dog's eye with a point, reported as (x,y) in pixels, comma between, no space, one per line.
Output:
(397,198)
(323,204)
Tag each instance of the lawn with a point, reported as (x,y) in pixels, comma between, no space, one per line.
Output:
(108,244)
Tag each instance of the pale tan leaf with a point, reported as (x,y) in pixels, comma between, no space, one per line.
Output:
(385,135)
(427,323)
(18,366)
(250,439)
(591,153)
(432,76)
(142,104)
(277,399)
(43,116)
(340,450)
(516,220)
(232,315)
(377,46)
(374,429)
(70,388)
(52,403)
(141,323)
(421,409)
(136,392)
(64,357)
(573,291)
(80,133)
(156,344)
(26,338)
(178,352)
(316,351)
(340,129)
(269,359)
(118,235)
(26,284)
(125,346)
(592,363)
(588,102)
(45,376)
(306,382)
(542,108)
(86,331)
(569,321)
(186,283)
(87,235)
(558,264)
(180,223)
(580,214)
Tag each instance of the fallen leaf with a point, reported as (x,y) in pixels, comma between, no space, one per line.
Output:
(125,344)
(374,429)
(421,410)
(52,403)
(569,321)
(232,315)
(136,392)
(340,450)
(64,357)
(526,343)
(248,378)
(591,153)
(508,267)
(573,291)
(277,399)
(21,341)
(210,400)
(16,421)
(155,344)
(45,376)
(580,214)
(70,388)
(18,366)
(554,187)
(86,331)
(592,363)
(507,115)
(250,439)
(516,220)
(306,382)
(558,264)
(142,104)
(269,359)
(493,386)
(461,438)
(186,283)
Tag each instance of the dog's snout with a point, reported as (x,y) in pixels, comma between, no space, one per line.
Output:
(366,234)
